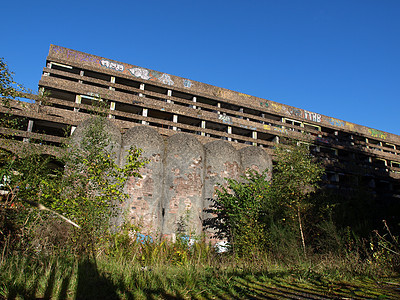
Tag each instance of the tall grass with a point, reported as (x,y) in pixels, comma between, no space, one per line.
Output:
(175,270)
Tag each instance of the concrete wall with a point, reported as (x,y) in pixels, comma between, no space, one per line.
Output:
(180,178)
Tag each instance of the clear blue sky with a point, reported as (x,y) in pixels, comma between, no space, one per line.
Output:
(339,58)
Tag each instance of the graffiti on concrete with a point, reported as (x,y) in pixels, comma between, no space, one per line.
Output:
(339,123)
(245,95)
(151,75)
(264,104)
(275,128)
(278,107)
(336,122)
(225,119)
(295,112)
(312,116)
(377,133)
(112,65)
(74,54)
(166,79)
(187,83)
(141,73)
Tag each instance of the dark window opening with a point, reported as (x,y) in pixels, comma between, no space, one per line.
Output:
(97,75)
(63,77)
(58,67)
(127,82)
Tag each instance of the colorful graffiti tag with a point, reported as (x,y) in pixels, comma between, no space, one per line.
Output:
(377,133)
(151,75)
(245,95)
(187,83)
(295,112)
(112,65)
(312,116)
(336,122)
(264,104)
(225,119)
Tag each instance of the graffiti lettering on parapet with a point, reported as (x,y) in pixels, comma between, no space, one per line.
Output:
(225,119)
(336,122)
(166,79)
(312,116)
(241,94)
(112,65)
(339,123)
(75,55)
(151,75)
(274,128)
(278,107)
(141,73)
(295,112)
(187,83)
(377,133)
(264,104)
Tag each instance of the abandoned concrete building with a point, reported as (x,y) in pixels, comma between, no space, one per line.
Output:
(196,134)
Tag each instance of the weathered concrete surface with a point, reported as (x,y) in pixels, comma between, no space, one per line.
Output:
(256,159)
(113,134)
(180,179)
(222,161)
(183,185)
(145,194)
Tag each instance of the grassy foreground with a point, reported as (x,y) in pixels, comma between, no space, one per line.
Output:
(22,277)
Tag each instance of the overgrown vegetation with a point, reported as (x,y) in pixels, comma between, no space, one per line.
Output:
(286,235)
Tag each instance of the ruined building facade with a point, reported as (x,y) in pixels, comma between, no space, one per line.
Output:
(196,134)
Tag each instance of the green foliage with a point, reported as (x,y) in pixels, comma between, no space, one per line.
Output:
(91,189)
(253,213)
(295,177)
(238,209)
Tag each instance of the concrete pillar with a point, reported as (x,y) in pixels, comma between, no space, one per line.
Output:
(175,120)
(229,132)
(112,107)
(169,93)
(78,99)
(183,187)
(144,114)
(254,136)
(194,100)
(203,125)
(144,205)
(29,129)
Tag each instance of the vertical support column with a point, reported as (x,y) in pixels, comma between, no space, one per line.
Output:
(72,129)
(112,81)
(219,106)
(254,136)
(144,114)
(203,125)
(276,139)
(29,129)
(194,100)
(142,88)
(175,120)
(112,107)
(78,100)
(81,73)
(169,93)
(229,132)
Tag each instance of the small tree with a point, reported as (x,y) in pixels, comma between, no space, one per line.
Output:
(295,177)
(238,212)
(92,187)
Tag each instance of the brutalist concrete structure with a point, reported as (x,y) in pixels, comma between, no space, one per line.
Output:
(195,134)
